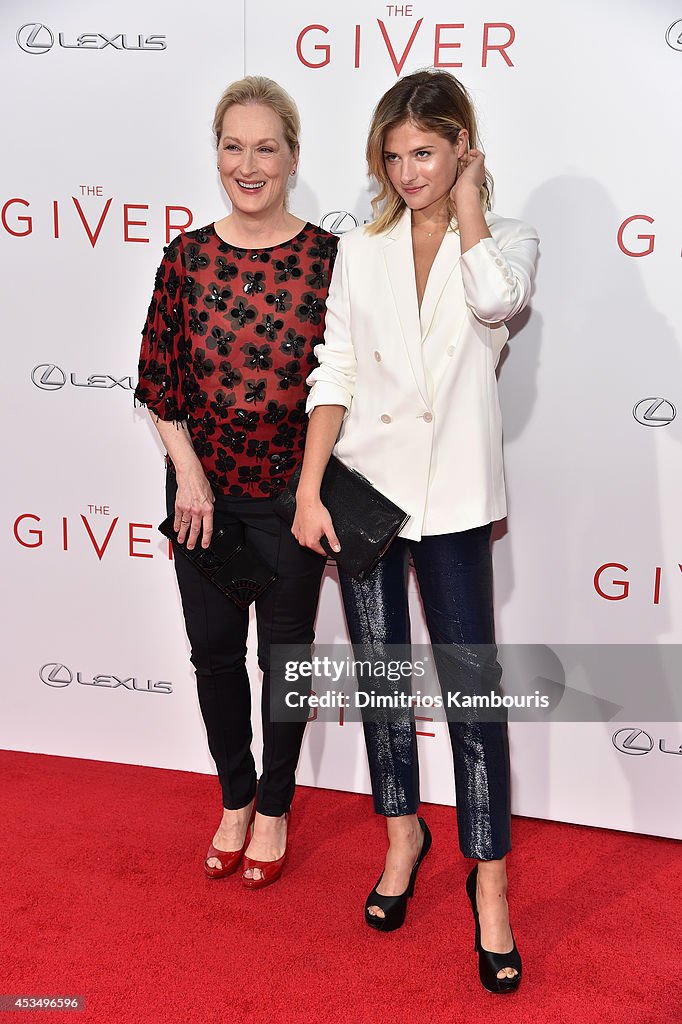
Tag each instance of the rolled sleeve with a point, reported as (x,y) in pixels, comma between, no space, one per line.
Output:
(326,392)
(332,382)
(498,278)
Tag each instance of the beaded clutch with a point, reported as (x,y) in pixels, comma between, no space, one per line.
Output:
(366,521)
(233,567)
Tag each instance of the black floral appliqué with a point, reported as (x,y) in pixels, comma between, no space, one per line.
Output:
(289,377)
(255,390)
(257,357)
(269,327)
(311,308)
(242,313)
(218,297)
(281,300)
(253,283)
(288,268)
(220,340)
(293,344)
(230,376)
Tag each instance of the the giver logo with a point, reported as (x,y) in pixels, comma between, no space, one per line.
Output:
(316,44)
(612,582)
(91,216)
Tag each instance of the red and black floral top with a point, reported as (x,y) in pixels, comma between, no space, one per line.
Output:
(227,345)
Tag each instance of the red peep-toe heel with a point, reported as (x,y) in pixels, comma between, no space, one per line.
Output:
(270,869)
(229,859)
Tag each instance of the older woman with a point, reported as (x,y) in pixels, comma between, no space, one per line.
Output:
(237,308)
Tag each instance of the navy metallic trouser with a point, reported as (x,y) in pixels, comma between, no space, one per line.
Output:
(454,572)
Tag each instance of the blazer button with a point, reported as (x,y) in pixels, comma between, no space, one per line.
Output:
(427,417)
(377,356)
(451,350)
(385,418)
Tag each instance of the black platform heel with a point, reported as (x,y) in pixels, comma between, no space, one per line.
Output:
(395,907)
(490,963)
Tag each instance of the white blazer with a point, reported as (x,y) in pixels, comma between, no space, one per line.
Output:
(422,418)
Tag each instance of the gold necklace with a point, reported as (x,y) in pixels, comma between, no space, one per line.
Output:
(429,234)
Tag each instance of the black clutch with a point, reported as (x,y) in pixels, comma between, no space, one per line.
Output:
(366,522)
(233,567)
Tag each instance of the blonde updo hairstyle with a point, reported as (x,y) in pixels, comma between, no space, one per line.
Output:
(433,101)
(256,89)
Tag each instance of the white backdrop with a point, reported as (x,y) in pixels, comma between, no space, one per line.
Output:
(106,112)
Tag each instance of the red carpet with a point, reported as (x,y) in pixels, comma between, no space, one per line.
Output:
(104,896)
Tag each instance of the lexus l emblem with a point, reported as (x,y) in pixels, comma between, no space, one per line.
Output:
(54,674)
(35,38)
(632,741)
(654,412)
(48,377)
(338,222)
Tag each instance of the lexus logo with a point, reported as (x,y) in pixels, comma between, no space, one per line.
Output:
(632,741)
(35,38)
(48,377)
(338,222)
(55,674)
(673,36)
(654,412)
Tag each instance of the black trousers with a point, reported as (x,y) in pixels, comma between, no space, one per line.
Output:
(454,572)
(217,631)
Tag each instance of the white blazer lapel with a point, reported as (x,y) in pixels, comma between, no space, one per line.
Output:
(443,267)
(400,267)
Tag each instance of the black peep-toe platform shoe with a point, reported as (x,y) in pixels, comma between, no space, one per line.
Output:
(395,907)
(490,963)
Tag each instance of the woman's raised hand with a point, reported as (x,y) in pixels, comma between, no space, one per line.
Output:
(193,506)
(311,522)
(470,173)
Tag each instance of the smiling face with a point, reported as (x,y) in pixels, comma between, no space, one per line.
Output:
(421,165)
(254,159)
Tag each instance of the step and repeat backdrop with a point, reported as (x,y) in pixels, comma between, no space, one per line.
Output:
(108,154)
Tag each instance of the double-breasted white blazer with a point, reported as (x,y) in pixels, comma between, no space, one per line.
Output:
(422,419)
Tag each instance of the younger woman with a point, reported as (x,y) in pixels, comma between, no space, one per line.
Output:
(406,394)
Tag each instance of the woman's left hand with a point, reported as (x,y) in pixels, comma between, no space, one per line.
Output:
(470,174)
